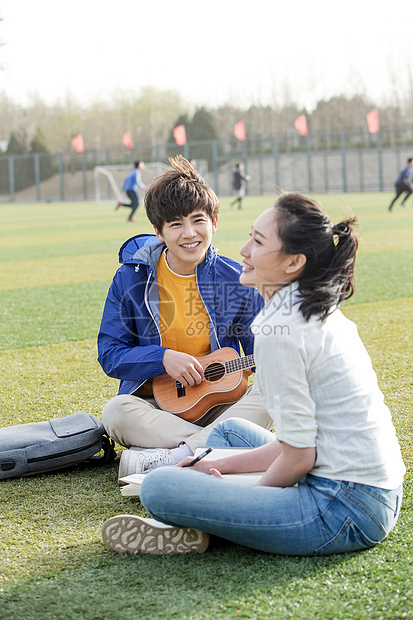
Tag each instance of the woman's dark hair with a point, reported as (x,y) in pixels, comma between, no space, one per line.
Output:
(177,193)
(330,249)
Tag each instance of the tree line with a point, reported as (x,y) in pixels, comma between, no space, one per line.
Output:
(151,116)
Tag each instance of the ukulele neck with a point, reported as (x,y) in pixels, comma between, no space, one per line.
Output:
(241,363)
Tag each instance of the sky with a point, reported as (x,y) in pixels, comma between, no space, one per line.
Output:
(211,52)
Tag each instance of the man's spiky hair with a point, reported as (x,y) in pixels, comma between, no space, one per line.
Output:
(177,193)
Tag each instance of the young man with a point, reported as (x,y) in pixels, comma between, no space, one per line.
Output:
(130,185)
(173,300)
(238,184)
(403,184)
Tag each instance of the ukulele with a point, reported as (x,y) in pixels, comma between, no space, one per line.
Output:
(226,380)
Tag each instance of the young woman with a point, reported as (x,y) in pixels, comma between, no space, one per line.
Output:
(333,474)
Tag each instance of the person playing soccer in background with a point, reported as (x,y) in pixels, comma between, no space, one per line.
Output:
(333,470)
(130,185)
(238,184)
(173,300)
(403,184)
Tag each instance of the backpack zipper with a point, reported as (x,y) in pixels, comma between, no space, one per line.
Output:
(55,456)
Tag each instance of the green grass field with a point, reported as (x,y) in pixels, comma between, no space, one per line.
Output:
(57,261)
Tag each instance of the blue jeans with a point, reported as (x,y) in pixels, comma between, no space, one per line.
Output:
(318,516)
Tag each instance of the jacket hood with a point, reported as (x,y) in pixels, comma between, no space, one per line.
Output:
(134,250)
(140,248)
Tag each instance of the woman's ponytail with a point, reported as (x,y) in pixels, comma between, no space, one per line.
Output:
(330,251)
(345,240)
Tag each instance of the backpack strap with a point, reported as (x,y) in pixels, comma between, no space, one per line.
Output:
(109,452)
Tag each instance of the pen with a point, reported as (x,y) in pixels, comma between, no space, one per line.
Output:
(198,458)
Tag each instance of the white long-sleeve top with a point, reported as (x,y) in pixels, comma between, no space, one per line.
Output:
(317,383)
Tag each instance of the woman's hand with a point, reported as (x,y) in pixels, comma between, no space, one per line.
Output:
(254,460)
(215,472)
(204,465)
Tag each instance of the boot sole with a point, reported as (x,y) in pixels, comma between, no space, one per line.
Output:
(132,534)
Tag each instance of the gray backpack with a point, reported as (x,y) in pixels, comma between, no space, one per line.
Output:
(40,447)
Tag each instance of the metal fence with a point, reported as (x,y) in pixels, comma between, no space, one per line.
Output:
(325,162)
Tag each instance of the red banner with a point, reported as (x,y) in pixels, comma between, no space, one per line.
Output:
(78,143)
(300,124)
(373,122)
(180,135)
(127,140)
(239,131)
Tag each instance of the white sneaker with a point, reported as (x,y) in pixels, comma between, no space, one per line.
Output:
(138,460)
(130,534)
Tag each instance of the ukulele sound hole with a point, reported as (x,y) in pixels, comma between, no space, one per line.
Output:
(214,372)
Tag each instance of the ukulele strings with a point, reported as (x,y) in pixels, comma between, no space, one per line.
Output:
(228,367)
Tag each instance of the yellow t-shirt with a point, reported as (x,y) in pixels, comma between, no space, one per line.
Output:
(183,316)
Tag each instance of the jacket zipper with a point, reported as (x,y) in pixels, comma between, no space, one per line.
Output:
(206,308)
(153,319)
(149,308)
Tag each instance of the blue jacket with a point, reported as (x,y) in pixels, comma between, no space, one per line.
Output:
(129,340)
(130,182)
(404,176)
(133,181)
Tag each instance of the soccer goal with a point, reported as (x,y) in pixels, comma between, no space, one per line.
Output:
(109,179)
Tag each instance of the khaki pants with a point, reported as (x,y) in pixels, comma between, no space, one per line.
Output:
(133,421)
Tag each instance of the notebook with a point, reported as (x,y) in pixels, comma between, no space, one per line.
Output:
(133,482)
